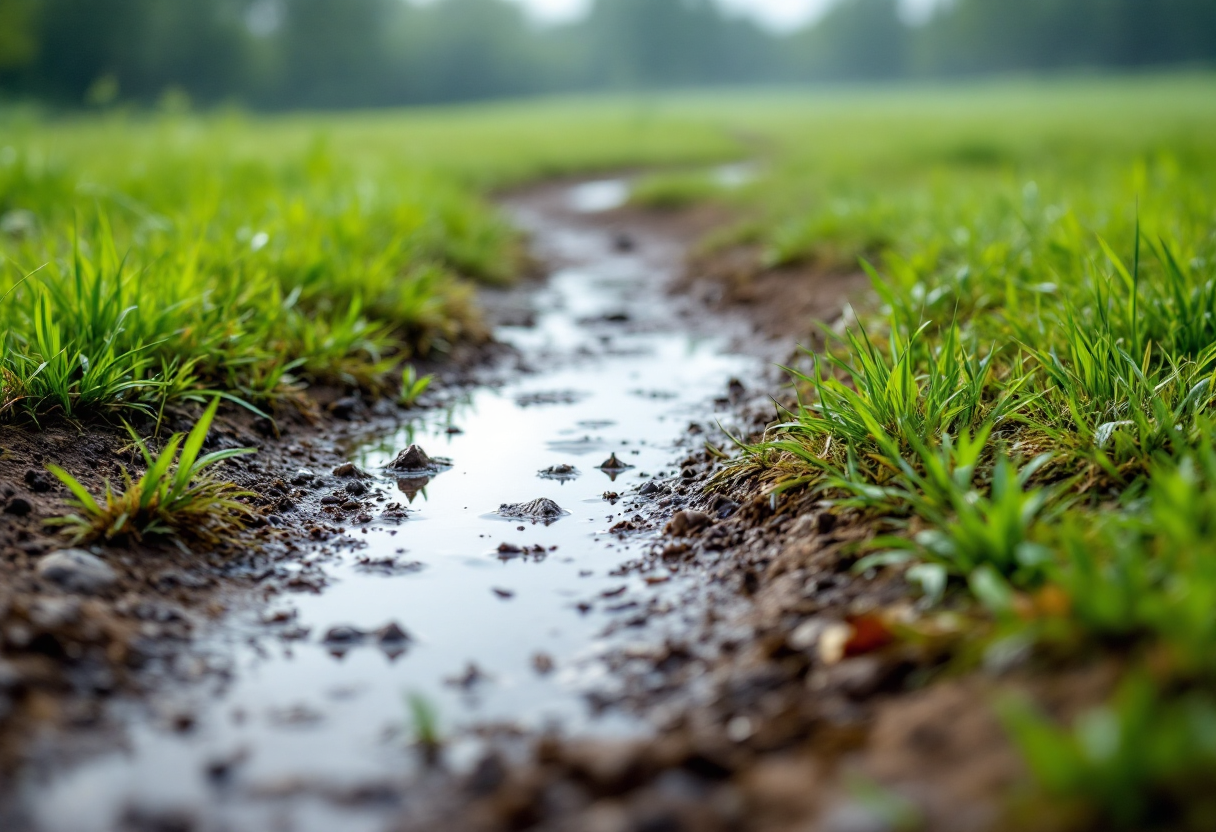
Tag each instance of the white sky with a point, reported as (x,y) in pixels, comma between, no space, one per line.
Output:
(779,14)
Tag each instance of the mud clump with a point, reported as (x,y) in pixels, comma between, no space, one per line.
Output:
(349,470)
(414,460)
(559,472)
(543,509)
(687,522)
(18,507)
(612,463)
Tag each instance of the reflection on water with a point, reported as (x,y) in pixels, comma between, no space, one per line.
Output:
(491,620)
(594,197)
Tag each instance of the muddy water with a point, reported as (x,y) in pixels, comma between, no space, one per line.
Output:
(306,735)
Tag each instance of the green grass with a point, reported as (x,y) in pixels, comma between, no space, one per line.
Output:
(150,259)
(176,496)
(1023,412)
(1027,408)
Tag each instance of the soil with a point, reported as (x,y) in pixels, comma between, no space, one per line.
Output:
(789,302)
(64,655)
(806,696)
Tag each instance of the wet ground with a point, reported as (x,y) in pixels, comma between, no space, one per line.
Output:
(301,720)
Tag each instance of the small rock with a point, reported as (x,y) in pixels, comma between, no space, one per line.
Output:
(559,472)
(349,470)
(18,506)
(38,482)
(686,522)
(331,500)
(346,407)
(726,508)
(489,773)
(343,634)
(392,633)
(412,458)
(356,488)
(75,570)
(49,614)
(614,464)
(11,679)
(648,489)
(505,594)
(352,505)
(471,678)
(623,242)
(543,664)
(541,509)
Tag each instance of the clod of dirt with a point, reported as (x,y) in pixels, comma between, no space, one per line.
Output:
(471,678)
(343,635)
(414,459)
(542,509)
(614,464)
(348,470)
(559,472)
(18,506)
(38,482)
(392,633)
(347,407)
(686,522)
(75,570)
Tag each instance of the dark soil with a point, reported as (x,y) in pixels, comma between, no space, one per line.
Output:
(64,654)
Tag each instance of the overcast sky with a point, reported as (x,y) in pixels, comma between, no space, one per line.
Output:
(780,14)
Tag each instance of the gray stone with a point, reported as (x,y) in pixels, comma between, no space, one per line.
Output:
(541,509)
(75,570)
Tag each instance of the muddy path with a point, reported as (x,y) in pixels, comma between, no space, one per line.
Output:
(498,579)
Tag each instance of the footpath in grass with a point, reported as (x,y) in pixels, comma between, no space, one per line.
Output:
(1020,414)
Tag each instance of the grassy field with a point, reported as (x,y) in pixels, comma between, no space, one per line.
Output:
(1026,416)
(150,259)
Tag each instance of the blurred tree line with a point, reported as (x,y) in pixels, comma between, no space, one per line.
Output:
(362,53)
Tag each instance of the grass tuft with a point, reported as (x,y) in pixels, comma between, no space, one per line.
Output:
(176,496)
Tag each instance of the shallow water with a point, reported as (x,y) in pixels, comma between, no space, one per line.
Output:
(614,374)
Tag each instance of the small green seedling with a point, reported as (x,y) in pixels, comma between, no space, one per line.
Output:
(424,719)
(412,387)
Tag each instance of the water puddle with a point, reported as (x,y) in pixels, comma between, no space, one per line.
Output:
(489,619)
(599,196)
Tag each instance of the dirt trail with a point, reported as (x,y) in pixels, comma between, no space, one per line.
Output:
(288,709)
(606,644)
